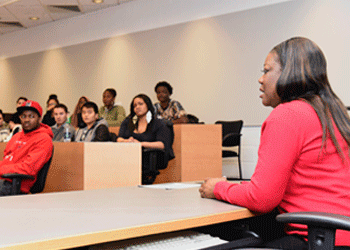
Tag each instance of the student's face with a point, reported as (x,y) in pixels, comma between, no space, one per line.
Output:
(107,98)
(140,107)
(89,116)
(51,104)
(163,94)
(30,120)
(272,72)
(60,116)
(1,120)
(20,102)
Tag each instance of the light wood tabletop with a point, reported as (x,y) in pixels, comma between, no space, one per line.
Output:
(78,218)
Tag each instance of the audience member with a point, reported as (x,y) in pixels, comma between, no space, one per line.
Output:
(113,114)
(28,150)
(20,101)
(14,125)
(48,117)
(4,128)
(76,120)
(96,128)
(142,126)
(62,131)
(304,157)
(167,108)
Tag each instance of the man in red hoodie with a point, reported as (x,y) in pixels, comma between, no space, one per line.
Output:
(28,150)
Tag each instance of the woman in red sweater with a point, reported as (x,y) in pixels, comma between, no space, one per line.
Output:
(303,162)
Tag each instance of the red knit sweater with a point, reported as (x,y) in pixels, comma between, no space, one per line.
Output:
(292,172)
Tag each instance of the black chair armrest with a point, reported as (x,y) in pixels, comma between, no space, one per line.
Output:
(316,219)
(19,176)
(232,139)
(17,180)
(321,227)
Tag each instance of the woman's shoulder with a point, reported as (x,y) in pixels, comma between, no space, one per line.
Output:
(296,112)
(298,107)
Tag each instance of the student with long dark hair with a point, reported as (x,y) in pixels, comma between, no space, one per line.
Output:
(76,120)
(48,118)
(142,126)
(304,162)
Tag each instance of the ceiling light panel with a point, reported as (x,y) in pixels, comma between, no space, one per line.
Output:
(6,15)
(24,10)
(7,2)
(89,5)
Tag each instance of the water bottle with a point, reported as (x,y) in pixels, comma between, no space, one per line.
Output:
(67,135)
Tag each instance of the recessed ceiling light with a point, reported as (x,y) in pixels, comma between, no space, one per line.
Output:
(34,18)
(97,1)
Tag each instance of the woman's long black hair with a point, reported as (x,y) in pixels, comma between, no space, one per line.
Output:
(304,76)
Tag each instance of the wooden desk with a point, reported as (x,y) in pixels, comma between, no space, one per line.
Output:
(198,153)
(92,165)
(79,218)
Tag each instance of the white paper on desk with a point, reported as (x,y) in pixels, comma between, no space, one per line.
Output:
(173,185)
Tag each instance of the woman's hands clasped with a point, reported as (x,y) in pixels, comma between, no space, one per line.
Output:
(207,188)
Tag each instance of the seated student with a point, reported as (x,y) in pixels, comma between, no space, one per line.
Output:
(142,126)
(62,131)
(28,150)
(304,158)
(14,125)
(113,114)
(167,108)
(20,101)
(4,128)
(51,103)
(76,120)
(96,128)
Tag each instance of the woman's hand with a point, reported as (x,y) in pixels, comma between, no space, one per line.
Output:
(207,188)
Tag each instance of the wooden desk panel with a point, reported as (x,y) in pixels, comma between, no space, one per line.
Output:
(72,219)
(66,172)
(92,165)
(198,154)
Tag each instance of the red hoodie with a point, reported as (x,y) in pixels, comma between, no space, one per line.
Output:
(26,153)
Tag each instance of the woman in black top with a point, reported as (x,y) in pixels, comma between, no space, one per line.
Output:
(142,126)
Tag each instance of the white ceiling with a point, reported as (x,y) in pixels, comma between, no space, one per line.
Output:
(15,14)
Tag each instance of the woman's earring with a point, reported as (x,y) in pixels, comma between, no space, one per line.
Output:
(149,116)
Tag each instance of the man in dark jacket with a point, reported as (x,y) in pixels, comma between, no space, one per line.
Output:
(28,150)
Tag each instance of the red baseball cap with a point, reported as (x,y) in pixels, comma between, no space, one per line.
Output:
(30,105)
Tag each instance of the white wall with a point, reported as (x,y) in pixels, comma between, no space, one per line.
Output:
(212,63)
(130,17)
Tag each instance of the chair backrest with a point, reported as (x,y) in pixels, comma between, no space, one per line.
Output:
(39,185)
(229,127)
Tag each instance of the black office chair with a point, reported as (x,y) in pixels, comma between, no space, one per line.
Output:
(155,159)
(38,186)
(231,136)
(321,231)
(321,227)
